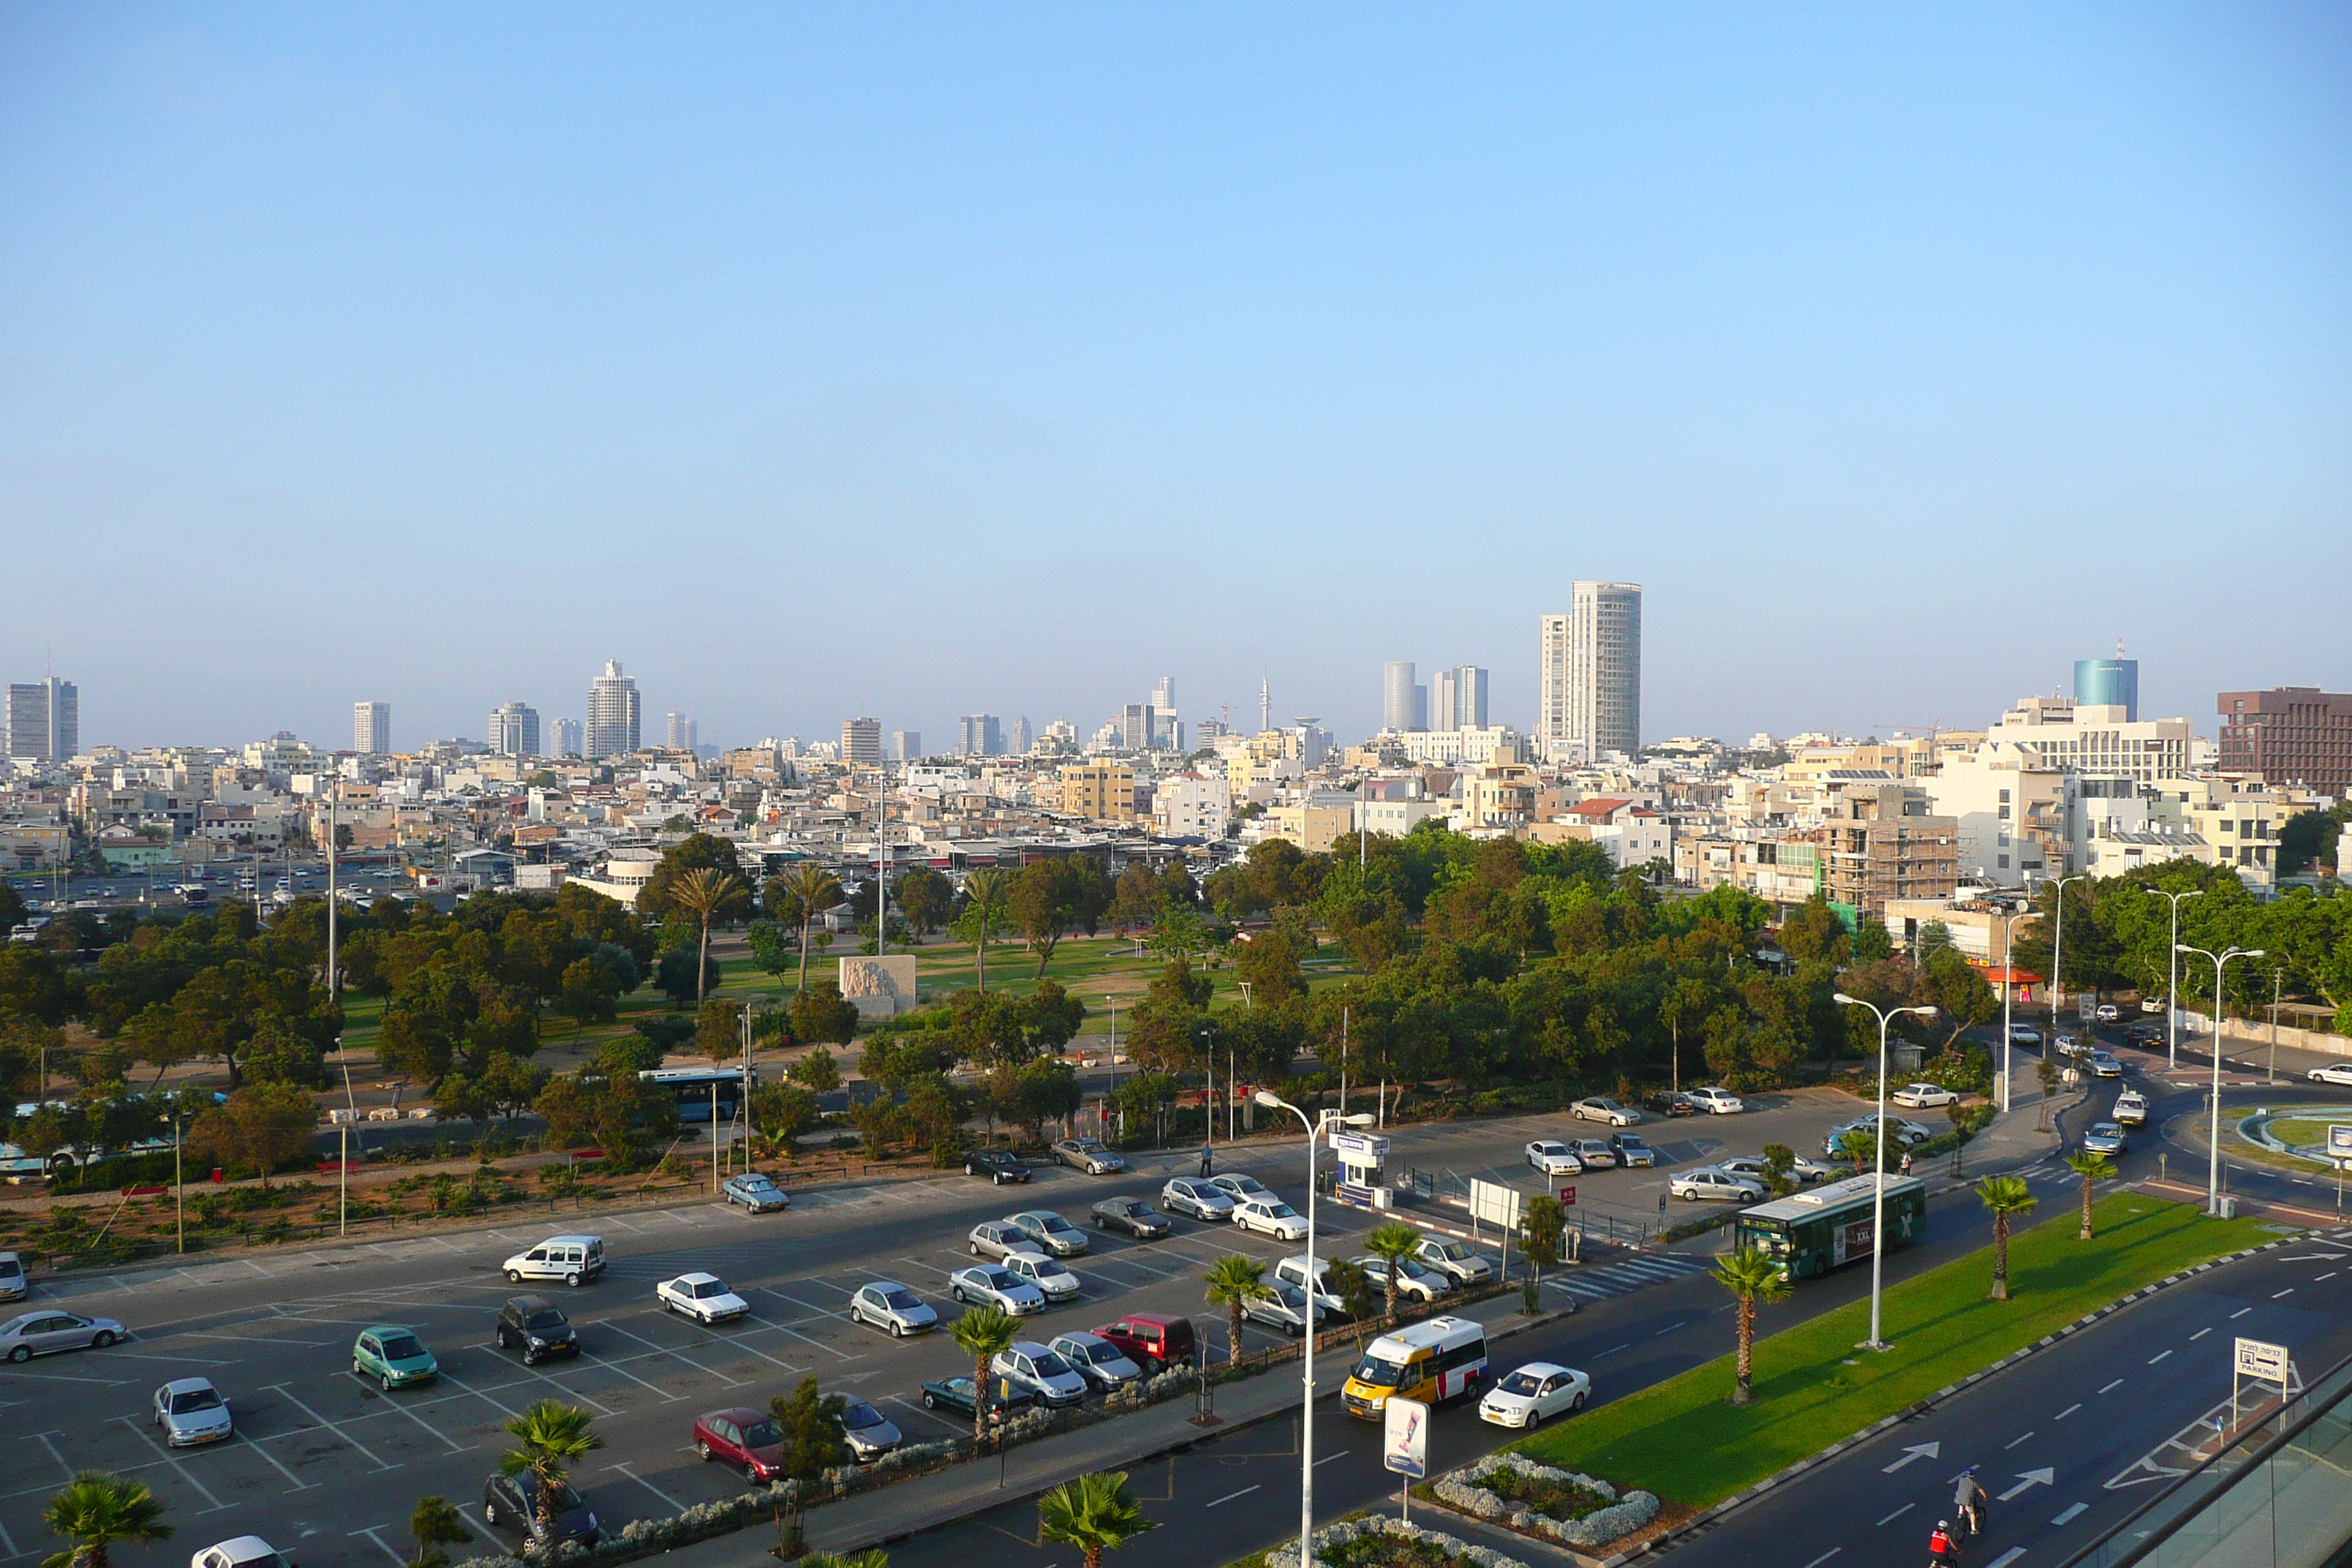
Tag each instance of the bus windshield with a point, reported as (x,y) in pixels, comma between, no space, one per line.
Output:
(1374,1372)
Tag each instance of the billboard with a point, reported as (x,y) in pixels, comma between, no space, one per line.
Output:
(1404,1446)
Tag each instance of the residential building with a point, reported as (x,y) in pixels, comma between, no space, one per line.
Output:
(1098,791)
(2014,819)
(1460,748)
(1023,739)
(2289,734)
(680,733)
(1457,699)
(2228,820)
(1400,704)
(567,739)
(861,743)
(1884,843)
(2108,683)
(906,745)
(514,730)
(1632,833)
(981,735)
(2096,739)
(1590,677)
(1497,795)
(1314,820)
(44,720)
(372,728)
(1191,805)
(1397,818)
(615,718)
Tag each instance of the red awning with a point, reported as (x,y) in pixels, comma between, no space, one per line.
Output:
(2000,976)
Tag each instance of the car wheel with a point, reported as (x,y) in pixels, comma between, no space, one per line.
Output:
(386,1381)
(897,1330)
(21,1353)
(702,1449)
(489,1512)
(514,1276)
(504,1343)
(929,1403)
(751,1474)
(529,1358)
(1576,1404)
(957,1291)
(975,1250)
(104,1338)
(573,1281)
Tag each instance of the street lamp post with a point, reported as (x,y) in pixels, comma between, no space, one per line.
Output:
(2058,951)
(1878,1185)
(2172,975)
(2213,1135)
(1317,1127)
(2007,996)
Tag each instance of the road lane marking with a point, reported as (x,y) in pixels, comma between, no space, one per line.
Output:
(2288,1291)
(2072,1514)
(1612,1349)
(1669,1329)
(2065,1412)
(2157,1357)
(2329,1275)
(675,1506)
(2014,1442)
(2006,1558)
(1333,1458)
(1230,1495)
(1825,1557)
(1898,1513)
(2240,1314)
(2200,1333)
(279,1388)
(2111,1387)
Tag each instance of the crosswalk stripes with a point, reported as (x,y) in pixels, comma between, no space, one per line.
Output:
(1623,1277)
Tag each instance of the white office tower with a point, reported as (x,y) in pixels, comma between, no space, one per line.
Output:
(514,730)
(861,743)
(1163,695)
(1397,693)
(681,734)
(1457,699)
(980,735)
(569,737)
(371,728)
(1590,685)
(906,745)
(614,715)
(44,720)
(1023,738)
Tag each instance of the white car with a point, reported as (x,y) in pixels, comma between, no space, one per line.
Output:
(1271,1217)
(2334,1072)
(1535,1393)
(703,1297)
(1414,1282)
(994,1285)
(192,1411)
(13,1287)
(241,1551)
(1454,1260)
(1285,1310)
(1924,1096)
(2131,1108)
(1708,1182)
(1032,1267)
(1716,1101)
(1553,1158)
(1600,1108)
(994,1238)
(2025,1034)
(1031,1366)
(2108,1012)
(1239,1187)
(1201,1200)
(888,1305)
(38,1333)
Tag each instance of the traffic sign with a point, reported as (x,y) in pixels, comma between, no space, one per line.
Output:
(1568,1195)
(2266,1362)
(2339,1142)
(1405,1446)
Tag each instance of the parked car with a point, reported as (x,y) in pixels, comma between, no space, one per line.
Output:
(1752,1166)
(994,1285)
(1711,1182)
(1595,1154)
(1293,1270)
(1671,1102)
(2104,1064)
(2151,1004)
(13,1287)
(394,1356)
(2081,1044)
(38,1333)
(1631,1150)
(756,1193)
(1454,1260)
(2104,1137)
(1717,1101)
(574,1259)
(1049,1232)
(997,1164)
(2131,1108)
(2108,1012)
(1032,1267)
(1151,1340)
(1924,1096)
(1535,1393)
(702,1297)
(868,1432)
(1133,1216)
(241,1551)
(1414,1282)
(1198,1199)
(1900,1134)
(1269,1215)
(1553,1158)
(746,1440)
(507,1504)
(532,1322)
(1600,1108)
(1236,1186)
(994,1238)
(1088,1155)
(1032,1367)
(1103,1364)
(1285,1310)
(887,1305)
(192,1412)
(955,1394)
(2334,1072)
(2025,1034)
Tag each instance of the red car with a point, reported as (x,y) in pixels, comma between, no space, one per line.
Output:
(747,1440)
(1151,1340)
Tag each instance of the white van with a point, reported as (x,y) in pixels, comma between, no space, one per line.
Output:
(573,1259)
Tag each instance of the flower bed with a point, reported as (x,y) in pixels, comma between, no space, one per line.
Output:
(1566,1505)
(1379,1541)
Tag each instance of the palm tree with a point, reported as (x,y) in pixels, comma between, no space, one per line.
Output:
(1094,1513)
(983,1332)
(984,891)
(1234,1282)
(96,1509)
(2003,1196)
(706,894)
(1859,1145)
(548,1436)
(2092,1168)
(811,889)
(1392,1243)
(1752,1277)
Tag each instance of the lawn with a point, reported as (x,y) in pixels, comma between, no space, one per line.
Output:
(1683,1440)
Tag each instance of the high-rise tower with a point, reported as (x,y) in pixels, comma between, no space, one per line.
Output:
(614,715)
(1589,682)
(371,728)
(514,730)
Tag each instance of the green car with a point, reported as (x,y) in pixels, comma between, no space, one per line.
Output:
(394,1356)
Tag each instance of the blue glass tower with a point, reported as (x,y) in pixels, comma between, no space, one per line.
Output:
(2108,683)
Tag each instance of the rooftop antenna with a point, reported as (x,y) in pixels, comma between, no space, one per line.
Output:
(1265,703)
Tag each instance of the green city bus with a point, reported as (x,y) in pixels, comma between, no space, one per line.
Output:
(1816,1230)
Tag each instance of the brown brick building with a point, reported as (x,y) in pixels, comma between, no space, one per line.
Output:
(2289,734)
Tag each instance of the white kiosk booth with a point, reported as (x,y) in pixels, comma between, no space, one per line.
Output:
(1363,1161)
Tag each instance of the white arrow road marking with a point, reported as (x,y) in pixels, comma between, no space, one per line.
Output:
(1913,1455)
(2071,1513)
(2027,1479)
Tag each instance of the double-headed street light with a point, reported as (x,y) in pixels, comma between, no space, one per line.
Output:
(1886,1015)
(2214,1166)
(2058,954)
(2172,974)
(1316,1127)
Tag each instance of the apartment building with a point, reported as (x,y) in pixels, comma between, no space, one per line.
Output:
(1191,805)
(2289,734)
(2096,739)
(1103,792)
(1884,844)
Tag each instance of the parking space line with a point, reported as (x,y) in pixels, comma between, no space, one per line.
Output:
(923,1410)
(675,1506)
(258,1446)
(570,1393)
(465,1511)
(483,1395)
(625,1371)
(787,1329)
(918,1263)
(371,1533)
(681,1355)
(172,1459)
(455,1446)
(10,1542)
(61,1459)
(803,1306)
(332,1427)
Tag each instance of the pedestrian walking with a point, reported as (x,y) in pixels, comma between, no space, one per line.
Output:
(1906,1161)
(1208,1163)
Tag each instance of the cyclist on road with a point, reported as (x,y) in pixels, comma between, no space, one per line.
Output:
(1943,1550)
(1968,1500)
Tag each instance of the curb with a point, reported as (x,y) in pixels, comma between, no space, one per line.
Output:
(1919,1407)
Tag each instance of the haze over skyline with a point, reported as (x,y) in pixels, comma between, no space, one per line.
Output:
(916,363)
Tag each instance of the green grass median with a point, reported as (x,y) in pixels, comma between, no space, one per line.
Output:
(1683,1440)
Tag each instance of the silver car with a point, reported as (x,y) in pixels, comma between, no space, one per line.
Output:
(1102,1363)
(992,1285)
(1286,1309)
(1049,1232)
(994,1238)
(13,1287)
(192,1411)
(38,1333)
(868,1431)
(1197,1199)
(1241,1188)
(1030,1365)
(756,1193)
(1033,1267)
(887,1304)
(1086,1155)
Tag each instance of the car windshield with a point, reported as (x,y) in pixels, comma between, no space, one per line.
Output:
(705,1288)
(1281,1211)
(1628,1141)
(1378,1373)
(763,1435)
(10,1269)
(1552,1149)
(904,1301)
(402,1347)
(1453,1251)
(1051,1366)
(1054,1224)
(857,1415)
(545,1318)
(1101,1354)
(202,1399)
(753,1184)
(1519,1382)
(1045,1267)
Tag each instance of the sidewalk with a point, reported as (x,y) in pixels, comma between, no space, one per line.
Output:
(2014,1137)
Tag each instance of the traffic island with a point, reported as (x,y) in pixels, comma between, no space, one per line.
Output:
(1563,1508)
(1376,1540)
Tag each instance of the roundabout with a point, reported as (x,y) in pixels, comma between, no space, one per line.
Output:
(2299,1132)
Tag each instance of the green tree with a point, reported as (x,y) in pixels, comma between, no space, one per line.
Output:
(1050,1016)
(94,1511)
(1136,898)
(1052,897)
(1348,1284)
(816,1071)
(263,1125)
(696,852)
(926,898)
(1094,1513)
(1543,1224)
(983,1333)
(1392,1243)
(677,976)
(704,895)
(2094,1169)
(591,992)
(1859,1145)
(1233,1282)
(550,1437)
(1269,963)
(2003,1196)
(801,894)
(1687,1002)
(436,1523)
(824,1015)
(985,893)
(1750,1277)
(1779,1169)
(811,1423)
(718,1029)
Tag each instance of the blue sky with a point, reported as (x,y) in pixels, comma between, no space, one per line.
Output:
(918,362)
